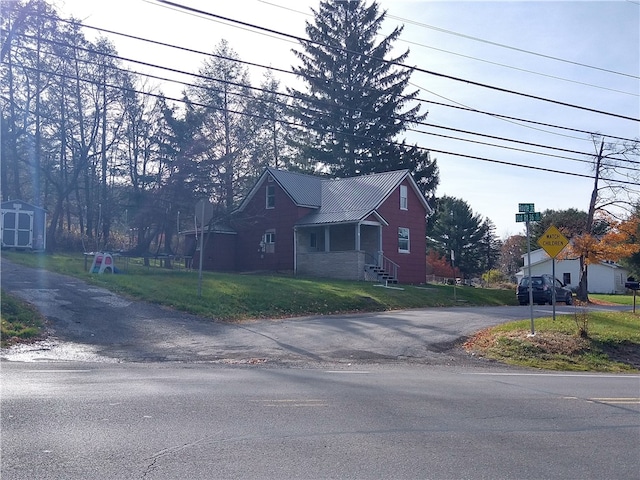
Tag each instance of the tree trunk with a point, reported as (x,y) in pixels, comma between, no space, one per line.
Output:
(583,287)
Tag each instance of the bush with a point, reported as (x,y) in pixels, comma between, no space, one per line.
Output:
(493,277)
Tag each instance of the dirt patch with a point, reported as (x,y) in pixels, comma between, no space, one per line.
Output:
(548,344)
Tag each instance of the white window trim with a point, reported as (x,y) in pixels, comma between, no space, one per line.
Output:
(401,250)
(404,198)
(269,239)
(267,196)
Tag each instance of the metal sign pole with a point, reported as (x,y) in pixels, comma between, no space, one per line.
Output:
(533,330)
(201,253)
(553,292)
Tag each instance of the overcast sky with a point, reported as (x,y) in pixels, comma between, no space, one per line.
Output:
(582,53)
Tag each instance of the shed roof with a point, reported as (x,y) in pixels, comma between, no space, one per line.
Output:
(20,205)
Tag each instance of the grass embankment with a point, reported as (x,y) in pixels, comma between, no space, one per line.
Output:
(19,321)
(610,342)
(234,297)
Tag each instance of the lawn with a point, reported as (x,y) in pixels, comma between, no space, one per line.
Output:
(610,342)
(234,297)
(19,320)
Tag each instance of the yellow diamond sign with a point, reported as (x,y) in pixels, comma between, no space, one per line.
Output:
(553,241)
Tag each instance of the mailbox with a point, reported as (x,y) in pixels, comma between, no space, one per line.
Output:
(632,284)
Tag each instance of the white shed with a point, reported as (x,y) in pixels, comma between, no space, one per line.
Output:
(23,226)
(603,277)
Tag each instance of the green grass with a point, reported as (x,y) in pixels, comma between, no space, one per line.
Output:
(617,299)
(19,321)
(612,343)
(233,297)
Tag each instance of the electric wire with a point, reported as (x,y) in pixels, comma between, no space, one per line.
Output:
(281,70)
(390,142)
(404,20)
(398,64)
(262,90)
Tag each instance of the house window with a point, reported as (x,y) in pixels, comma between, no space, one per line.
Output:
(566,278)
(403,240)
(270,241)
(404,203)
(313,240)
(271,196)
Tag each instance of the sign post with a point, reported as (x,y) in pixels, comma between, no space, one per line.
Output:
(553,242)
(527,213)
(204,213)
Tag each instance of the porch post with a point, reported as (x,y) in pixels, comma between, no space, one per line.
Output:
(327,239)
(380,251)
(357,237)
(295,250)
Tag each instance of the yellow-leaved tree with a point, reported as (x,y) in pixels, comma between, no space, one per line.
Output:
(622,240)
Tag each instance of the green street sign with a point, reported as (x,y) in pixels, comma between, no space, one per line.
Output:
(526,208)
(528,217)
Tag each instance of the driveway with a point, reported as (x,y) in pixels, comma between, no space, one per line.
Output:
(92,324)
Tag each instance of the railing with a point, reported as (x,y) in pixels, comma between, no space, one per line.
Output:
(390,267)
(386,265)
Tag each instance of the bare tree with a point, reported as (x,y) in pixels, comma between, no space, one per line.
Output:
(615,193)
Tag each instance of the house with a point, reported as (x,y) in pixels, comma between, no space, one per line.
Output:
(23,226)
(370,227)
(602,277)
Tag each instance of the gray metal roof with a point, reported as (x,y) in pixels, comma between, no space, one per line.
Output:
(304,190)
(340,200)
(353,199)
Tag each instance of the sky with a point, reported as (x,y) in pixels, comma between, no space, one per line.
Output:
(582,53)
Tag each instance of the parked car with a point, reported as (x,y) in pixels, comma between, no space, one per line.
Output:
(542,286)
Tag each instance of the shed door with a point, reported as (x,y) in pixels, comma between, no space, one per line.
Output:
(17,229)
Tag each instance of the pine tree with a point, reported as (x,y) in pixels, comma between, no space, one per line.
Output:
(355,106)
(457,229)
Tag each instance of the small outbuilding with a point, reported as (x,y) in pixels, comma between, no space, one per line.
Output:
(23,226)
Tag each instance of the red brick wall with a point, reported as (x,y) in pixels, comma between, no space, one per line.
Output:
(412,265)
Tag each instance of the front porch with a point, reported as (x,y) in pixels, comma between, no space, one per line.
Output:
(344,251)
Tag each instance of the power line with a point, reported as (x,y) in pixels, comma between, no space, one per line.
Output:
(510,47)
(281,70)
(241,85)
(293,124)
(418,69)
(555,77)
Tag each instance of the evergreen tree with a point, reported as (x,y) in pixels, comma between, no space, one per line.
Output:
(489,246)
(223,85)
(457,229)
(355,106)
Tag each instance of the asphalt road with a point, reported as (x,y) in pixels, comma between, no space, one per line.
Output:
(127,390)
(93,324)
(183,421)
